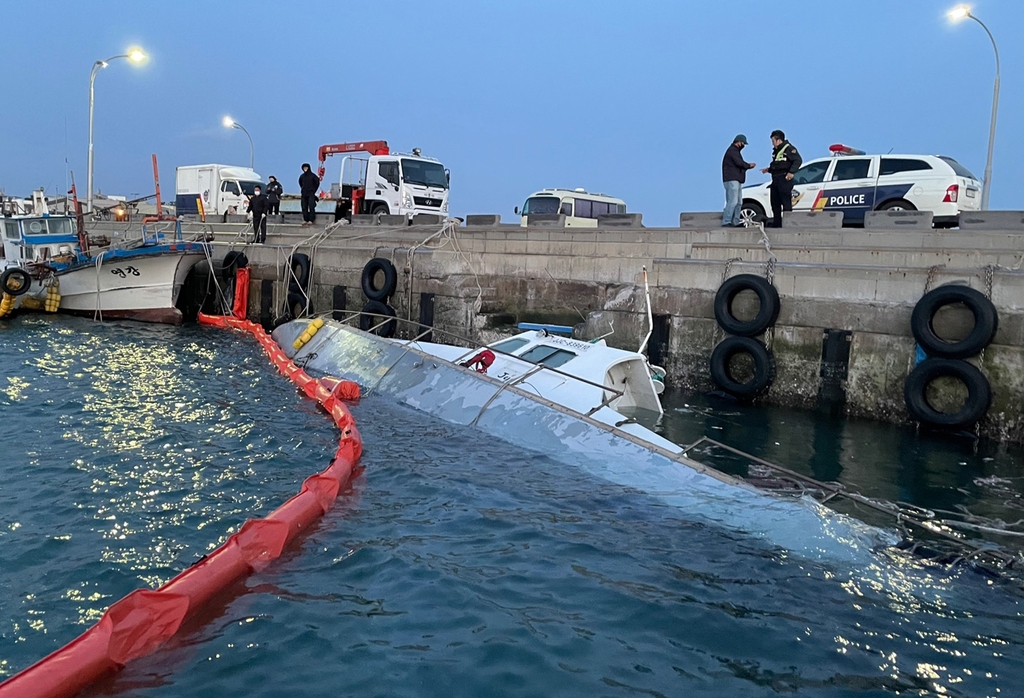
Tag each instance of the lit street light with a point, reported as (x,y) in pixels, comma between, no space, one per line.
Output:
(231,123)
(135,55)
(958,13)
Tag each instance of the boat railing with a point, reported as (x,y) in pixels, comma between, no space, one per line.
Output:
(477,346)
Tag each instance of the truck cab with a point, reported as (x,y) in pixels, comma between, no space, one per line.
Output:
(214,189)
(383,182)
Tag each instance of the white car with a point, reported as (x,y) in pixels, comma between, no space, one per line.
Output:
(855,183)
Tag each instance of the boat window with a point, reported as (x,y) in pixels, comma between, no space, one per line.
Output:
(35,226)
(552,357)
(11,230)
(61,226)
(510,345)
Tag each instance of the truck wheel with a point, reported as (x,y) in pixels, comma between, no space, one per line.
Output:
(380,209)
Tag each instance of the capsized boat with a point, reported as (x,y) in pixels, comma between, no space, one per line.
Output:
(48,263)
(572,401)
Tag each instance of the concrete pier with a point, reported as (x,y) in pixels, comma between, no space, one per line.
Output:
(857,284)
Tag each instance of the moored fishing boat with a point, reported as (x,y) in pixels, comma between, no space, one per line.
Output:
(49,263)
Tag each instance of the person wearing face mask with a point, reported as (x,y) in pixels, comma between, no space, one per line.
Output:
(258,206)
(734,174)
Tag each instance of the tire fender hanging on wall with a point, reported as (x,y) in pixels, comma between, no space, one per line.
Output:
(979,393)
(764,367)
(386,289)
(986,321)
(768,300)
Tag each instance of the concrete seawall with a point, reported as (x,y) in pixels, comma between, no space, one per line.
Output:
(858,285)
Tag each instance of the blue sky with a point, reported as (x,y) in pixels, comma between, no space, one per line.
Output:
(635,99)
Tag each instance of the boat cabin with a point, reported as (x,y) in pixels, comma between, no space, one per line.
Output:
(38,239)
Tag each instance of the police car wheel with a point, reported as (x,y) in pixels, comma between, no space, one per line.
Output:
(752,213)
(897,205)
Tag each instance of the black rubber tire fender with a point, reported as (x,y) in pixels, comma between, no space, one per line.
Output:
(979,393)
(233,261)
(300,267)
(377,308)
(387,289)
(17,276)
(764,367)
(986,321)
(767,313)
(297,305)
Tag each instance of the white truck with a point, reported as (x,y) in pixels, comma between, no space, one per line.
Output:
(214,190)
(385,182)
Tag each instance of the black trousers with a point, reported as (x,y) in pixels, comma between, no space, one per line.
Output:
(781,191)
(259,228)
(275,208)
(309,208)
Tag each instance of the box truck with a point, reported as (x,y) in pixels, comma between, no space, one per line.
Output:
(214,190)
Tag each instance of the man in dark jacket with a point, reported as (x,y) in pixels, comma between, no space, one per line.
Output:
(258,205)
(274,191)
(308,184)
(734,174)
(785,162)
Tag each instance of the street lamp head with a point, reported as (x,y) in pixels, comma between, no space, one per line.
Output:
(229,122)
(959,12)
(136,55)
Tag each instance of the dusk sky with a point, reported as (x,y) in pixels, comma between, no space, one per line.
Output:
(634,99)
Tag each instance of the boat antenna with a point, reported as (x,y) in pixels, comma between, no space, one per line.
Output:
(650,317)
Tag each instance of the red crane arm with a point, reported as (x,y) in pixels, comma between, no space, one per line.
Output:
(372,147)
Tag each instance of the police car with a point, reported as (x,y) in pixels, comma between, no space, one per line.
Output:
(853,182)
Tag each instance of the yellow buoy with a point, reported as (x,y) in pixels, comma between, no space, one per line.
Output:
(6,305)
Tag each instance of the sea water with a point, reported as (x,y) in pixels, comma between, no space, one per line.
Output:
(458,565)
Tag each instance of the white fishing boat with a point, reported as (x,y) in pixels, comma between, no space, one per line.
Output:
(49,264)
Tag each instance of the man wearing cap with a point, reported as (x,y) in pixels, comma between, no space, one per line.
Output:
(734,174)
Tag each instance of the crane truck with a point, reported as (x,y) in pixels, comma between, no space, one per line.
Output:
(384,182)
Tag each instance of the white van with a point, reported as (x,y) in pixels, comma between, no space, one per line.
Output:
(580,207)
(221,188)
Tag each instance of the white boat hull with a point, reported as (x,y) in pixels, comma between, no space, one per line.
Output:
(143,287)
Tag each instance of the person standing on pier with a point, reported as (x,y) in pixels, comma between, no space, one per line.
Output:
(734,174)
(258,205)
(308,184)
(274,192)
(786,161)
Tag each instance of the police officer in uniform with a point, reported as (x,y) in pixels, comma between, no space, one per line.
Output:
(786,161)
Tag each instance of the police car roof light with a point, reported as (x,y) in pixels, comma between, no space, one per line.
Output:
(840,149)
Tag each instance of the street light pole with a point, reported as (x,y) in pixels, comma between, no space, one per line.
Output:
(134,56)
(964,12)
(231,123)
